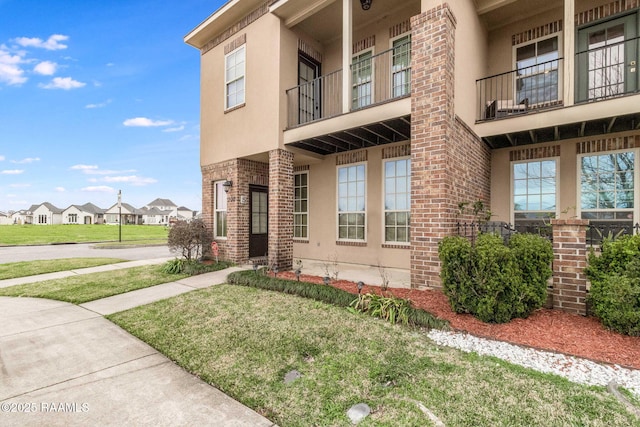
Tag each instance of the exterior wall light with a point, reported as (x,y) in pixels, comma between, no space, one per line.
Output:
(366,4)
(227,185)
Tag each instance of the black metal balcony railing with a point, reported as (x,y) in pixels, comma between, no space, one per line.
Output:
(520,91)
(607,71)
(374,80)
(598,231)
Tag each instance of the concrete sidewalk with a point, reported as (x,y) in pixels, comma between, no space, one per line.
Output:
(63,364)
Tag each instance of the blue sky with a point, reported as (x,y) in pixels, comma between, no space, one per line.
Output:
(96,97)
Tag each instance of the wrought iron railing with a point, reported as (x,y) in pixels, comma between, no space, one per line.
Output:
(503,229)
(519,91)
(597,231)
(375,79)
(607,71)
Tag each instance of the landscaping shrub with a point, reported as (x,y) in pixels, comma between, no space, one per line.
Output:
(190,239)
(173,266)
(615,284)
(389,308)
(494,282)
(326,294)
(192,267)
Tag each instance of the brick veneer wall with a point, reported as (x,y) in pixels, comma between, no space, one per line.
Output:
(281,209)
(242,173)
(569,260)
(449,163)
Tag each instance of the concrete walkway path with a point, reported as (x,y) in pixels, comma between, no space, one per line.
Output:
(65,365)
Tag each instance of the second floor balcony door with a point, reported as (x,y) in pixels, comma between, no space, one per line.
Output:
(309,95)
(607,59)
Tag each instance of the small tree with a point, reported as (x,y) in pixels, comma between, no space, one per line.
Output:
(191,239)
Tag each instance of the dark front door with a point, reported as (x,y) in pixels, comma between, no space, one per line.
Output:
(258,222)
(309,97)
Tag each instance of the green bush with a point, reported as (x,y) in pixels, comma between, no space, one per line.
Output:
(615,284)
(192,267)
(174,266)
(389,308)
(494,282)
(327,294)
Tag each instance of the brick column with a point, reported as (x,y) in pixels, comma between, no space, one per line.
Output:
(281,209)
(432,128)
(569,260)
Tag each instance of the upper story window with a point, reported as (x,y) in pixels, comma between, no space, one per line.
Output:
(607,186)
(362,79)
(301,205)
(534,190)
(401,66)
(537,79)
(397,195)
(220,210)
(352,202)
(234,78)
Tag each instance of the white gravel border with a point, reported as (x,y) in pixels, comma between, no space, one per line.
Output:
(574,369)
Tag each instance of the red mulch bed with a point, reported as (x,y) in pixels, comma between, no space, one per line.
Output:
(545,329)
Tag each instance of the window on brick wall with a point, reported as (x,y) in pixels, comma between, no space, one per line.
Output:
(401,65)
(534,190)
(397,194)
(234,78)
(537,64)
(220,210)
(352,202)
(607,183)
(301,205)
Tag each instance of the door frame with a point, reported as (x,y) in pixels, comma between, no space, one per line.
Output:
(258,242)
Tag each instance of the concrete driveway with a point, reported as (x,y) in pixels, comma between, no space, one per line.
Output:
(62,365)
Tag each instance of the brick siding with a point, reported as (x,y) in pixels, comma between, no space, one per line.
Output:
(569,259)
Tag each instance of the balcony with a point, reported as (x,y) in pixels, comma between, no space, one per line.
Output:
(375,80)
(521,91)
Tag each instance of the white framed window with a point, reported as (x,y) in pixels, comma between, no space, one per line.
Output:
(362,79)
(538,72)
(234,77)
(401,65)
(220,210)
(73,218)
(607,186)
(42,219)
(397,199)
(534,190)
(301,205)
(352,207)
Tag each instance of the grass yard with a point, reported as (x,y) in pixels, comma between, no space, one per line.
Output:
(89,287)
(244,340)
(31,268)
(79,233)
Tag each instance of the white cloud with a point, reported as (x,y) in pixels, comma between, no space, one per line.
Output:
(145,122)
(20,185)
(26,160)
(18,202)
(99,105)
(10,71)
(2,158)
(99,189)
(52,43)
(60,189)
(83,167)
(46,68)
(12,172)
(132,179)
(65,83)
(175,129)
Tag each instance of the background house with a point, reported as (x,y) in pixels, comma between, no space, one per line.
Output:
(23,216)
(130,215)
(83,214)
(46,213)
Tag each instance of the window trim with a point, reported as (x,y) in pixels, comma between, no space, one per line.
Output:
(636,181)
(306,238)
(337,198)
(372,82)
(512,207)
(228,108)
(391,41)
(384,210)
(514,62)
(217,186)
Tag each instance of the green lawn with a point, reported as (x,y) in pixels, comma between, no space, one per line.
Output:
(244,340)
(31,268)
(79,233)
(89,287)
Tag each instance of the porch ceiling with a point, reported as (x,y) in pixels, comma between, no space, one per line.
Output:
(369,135)
(600,126)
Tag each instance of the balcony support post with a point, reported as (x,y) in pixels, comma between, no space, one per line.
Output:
(347,28)
(569,52)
